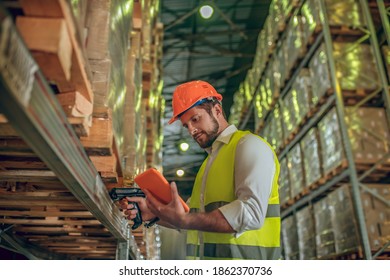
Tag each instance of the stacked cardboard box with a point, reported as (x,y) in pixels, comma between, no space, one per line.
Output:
(344,227)
(332,151)
(306,234)
(344,220)
(290,238)
(296,171)
(311,156)
(284,182)
(325,240)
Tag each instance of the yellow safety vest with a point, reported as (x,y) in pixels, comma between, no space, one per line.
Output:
(263,243)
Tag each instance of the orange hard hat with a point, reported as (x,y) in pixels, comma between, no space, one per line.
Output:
(189,94)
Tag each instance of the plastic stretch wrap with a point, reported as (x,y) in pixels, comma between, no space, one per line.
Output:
(310,19)
(293,47)
(258,109)
(325,240)
(344,226)
(332,150)
(302,85)
(355,66)
(276,130)
(290,238)
(306,234)
(319,73)
(279,65)
(311,156)
(119,41)
(295,166)
(268,89)
(290,107)
(284,182)
(134,112)
(368,132)
(377,215)
(346,12)
(277,18)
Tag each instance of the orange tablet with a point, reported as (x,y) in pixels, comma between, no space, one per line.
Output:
(155,182)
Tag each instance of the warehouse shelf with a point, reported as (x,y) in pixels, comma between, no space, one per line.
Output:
(62,147)
(29,105)
(351,173)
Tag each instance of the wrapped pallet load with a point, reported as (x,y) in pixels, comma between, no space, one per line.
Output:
(325,240)
(290,116)
(290,238)
(319,73)
(311,156)
(344,219)
(302,87)
(295,166)
(344,13)
(306,233)
(294,47)
(369,133)
(355,66)
(284,182)
(343,223)
(332,150)
(311,22)
(377,214)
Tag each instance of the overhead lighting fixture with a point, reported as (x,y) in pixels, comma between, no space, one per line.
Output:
(180,172)
(206,11)
(184,146)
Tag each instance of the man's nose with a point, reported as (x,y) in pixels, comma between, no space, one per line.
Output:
(192,130)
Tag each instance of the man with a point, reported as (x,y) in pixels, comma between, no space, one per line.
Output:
(234,204)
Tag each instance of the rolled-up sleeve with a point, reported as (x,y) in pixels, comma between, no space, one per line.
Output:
(254,174)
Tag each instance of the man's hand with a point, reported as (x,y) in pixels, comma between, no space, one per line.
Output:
(172,213)
(130,211)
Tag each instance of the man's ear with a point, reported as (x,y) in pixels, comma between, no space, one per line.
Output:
(218,109)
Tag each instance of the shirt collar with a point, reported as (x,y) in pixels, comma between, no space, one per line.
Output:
(224,137)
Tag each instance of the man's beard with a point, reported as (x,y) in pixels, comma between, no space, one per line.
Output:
(211,135)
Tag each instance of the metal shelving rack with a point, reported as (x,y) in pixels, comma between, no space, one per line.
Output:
(31,107)
(349,175)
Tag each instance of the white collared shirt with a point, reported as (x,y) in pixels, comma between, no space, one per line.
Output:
(254,171)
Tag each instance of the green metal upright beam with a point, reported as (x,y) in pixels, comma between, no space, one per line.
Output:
(384,14)
(344,132)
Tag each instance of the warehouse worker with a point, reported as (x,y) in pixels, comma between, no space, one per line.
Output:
(235,211)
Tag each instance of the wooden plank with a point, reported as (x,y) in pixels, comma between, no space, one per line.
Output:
(104,163)
(44,222)
(75,104)
(100,138)
(32,203)
(74,243)
(58,230)
(68,238)
(15,147)
(51,49)
(80,76)
(32,213)
(6,129)
(41,8)
(28,176)
(80,125)
(22,163)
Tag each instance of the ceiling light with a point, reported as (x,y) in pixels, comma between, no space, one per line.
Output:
(206,11)
(180,172)
(184,146)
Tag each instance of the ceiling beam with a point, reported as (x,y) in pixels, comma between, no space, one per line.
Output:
(181,19)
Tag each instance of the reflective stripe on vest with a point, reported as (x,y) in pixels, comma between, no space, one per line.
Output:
(263,243)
